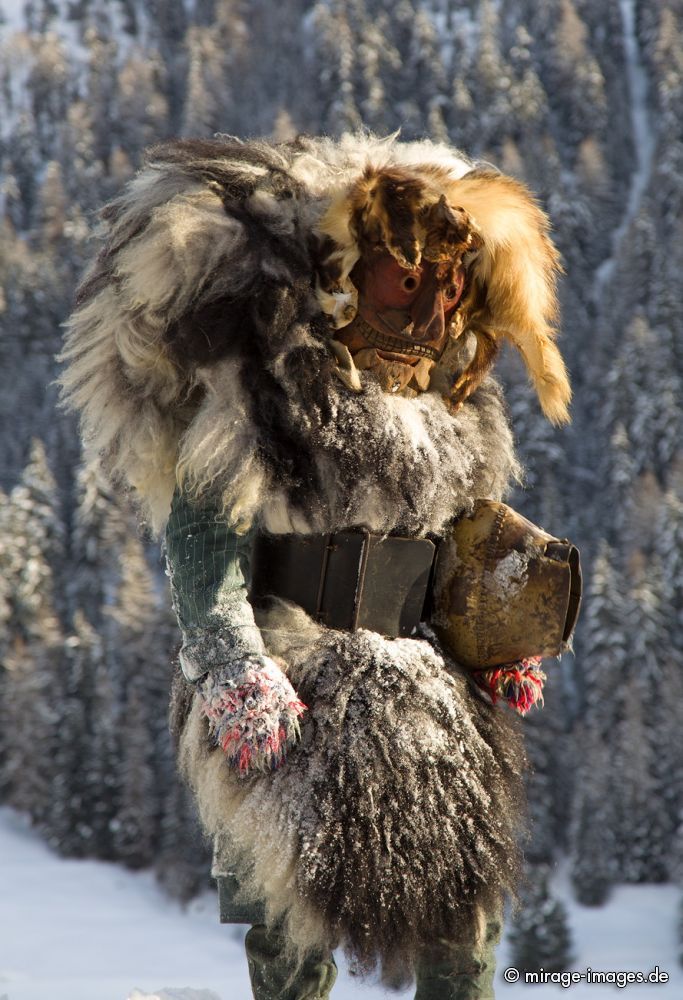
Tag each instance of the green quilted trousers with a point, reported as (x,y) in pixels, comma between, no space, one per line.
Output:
(459,972)
(273,977)
(448,972)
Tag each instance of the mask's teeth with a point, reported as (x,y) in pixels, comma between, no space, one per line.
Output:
(384,342)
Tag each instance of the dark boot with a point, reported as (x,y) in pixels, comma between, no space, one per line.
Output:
(272,975)
(459,972)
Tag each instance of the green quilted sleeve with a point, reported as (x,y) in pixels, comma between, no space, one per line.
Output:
(208,565)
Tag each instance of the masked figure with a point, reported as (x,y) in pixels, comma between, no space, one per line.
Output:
(284,351)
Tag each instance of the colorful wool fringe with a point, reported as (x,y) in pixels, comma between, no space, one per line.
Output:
(253,716)
(520,684)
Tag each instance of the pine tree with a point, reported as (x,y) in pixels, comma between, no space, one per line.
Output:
(573,78)
(183,858)
(643,414)
(52,206)
(549,783)
(603,651)
(135,827)
(69,820)
(543,458)
(139,664)
(593,846)
(378,64)
(539,935)
(102,775)
(669,548)
(634,796)
(423,65)
(201,113)
(335,67)
(143,112)
(489,85)
(6,610)
(102,81)
(100,531)
(22,163)
(34,652)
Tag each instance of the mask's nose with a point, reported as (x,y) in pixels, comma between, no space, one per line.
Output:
(427,312)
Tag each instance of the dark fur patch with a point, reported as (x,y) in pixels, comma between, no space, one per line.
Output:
(216,330)
(407,796)
(385,208)
(406,890)
(217,161)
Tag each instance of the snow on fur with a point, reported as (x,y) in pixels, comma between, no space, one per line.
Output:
(396,819)
(253,713)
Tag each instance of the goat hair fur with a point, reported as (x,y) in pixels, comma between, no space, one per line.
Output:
(213,233)
(200,356)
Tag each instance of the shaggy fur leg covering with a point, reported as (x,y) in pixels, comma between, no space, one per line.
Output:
(253,712)
(395,822)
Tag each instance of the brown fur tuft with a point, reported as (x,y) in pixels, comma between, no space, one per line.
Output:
(515,278)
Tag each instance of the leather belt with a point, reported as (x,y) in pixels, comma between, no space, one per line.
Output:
(347,580)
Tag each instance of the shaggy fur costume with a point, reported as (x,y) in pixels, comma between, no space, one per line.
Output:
(200,354)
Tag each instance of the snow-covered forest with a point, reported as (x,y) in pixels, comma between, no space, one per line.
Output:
(583,100)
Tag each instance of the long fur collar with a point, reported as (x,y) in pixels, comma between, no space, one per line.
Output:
(302,453)
(207,281)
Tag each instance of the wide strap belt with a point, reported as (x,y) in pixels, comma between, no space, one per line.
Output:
(347,580)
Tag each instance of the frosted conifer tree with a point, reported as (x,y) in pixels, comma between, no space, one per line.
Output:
(593,851)
(100,530)
(6,611)
(135,827)
(539,935)
(139,668)
(549,779)
(638,832)
(34,658)
(202,106)
(491,98)
(102,772)
(604,649)
(183,855)
(335,47)
(69,821)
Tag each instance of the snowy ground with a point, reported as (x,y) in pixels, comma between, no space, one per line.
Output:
(83,930)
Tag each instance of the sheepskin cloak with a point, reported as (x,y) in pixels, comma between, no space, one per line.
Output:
(200,354)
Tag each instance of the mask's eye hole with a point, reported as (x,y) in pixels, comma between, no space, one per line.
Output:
(451,292)
(410,282)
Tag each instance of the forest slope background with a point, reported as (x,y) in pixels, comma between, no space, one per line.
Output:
(582,100)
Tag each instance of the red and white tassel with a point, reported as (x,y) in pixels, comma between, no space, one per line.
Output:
(519,684)
(253,715)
